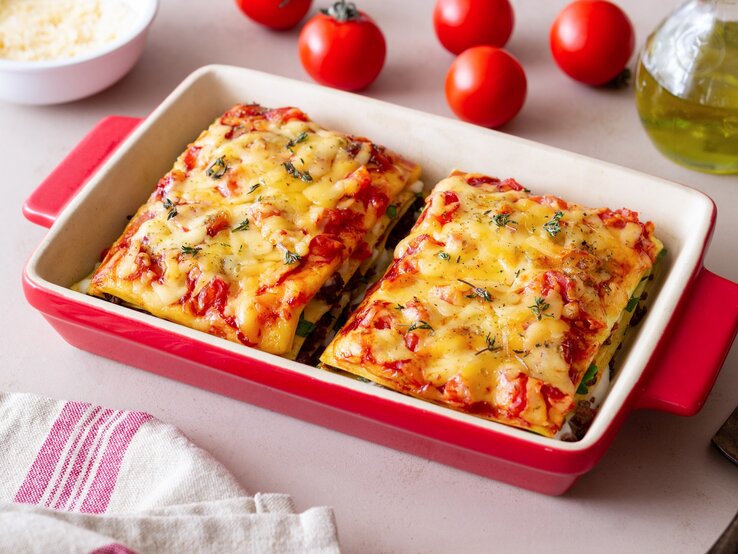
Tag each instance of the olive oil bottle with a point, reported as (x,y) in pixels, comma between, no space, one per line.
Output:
(687,86)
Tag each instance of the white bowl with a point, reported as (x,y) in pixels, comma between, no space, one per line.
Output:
(64,80)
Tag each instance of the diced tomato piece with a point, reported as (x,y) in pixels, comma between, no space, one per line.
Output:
(190,157)
(166,183)
(218,223)
(226,187)
(520,396)
(411,341)
(552,201)
(212,295)
(379,160)
(450,203)
(282,115)
(336,221)
(456,391)
(476,180)
(383,322)
(370,195)
(618,218)
(325,248)
(556,280)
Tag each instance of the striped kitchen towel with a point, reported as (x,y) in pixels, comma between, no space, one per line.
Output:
(75,477)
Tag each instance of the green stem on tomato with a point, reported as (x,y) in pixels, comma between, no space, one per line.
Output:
(342,11)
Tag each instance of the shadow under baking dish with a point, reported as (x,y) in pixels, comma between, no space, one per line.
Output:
(97,215)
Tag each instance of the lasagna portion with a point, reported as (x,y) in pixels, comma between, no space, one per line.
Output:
(258,227)
(501,303)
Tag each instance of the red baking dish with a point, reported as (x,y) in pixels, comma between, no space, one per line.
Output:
(86,199)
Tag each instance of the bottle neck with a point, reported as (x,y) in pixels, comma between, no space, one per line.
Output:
(725,10)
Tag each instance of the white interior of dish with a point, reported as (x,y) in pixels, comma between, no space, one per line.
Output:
(143,12)
(95,218)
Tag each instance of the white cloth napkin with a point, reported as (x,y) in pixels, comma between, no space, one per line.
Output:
(75,477)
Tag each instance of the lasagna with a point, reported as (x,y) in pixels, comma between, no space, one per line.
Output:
(501,303)
(258,228)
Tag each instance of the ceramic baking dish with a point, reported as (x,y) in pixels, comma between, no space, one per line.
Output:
(669,362)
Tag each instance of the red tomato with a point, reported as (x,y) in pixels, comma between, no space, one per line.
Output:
(486,85)
(275,14)
(342,48)
(592,41)
(461,24)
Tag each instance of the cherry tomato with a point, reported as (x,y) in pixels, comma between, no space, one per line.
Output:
(592,41)
(461,24)
(486,85)
(275,14)
(342,47)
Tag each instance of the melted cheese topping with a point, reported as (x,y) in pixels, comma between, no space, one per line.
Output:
(252,220)
(498,301)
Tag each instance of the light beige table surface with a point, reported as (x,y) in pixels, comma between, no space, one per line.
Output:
(660,488)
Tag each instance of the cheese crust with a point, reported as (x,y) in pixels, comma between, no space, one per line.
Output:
(498,301)
(253,219)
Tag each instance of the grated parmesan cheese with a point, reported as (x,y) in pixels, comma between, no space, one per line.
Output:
(33,30)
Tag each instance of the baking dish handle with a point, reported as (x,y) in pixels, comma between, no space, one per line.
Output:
(689,359)
(55,192)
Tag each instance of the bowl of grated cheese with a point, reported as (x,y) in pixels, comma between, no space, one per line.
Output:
(55,51)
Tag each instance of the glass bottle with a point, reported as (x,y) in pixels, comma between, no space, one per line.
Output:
(687,86)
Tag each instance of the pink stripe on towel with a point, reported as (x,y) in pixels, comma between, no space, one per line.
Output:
(40,472)
(98,497)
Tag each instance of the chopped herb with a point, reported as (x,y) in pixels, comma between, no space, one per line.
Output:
(478,291)
(588,380)
(296,173)
(304,327)
(503,220)
(297,140)
(490,346)
(632,303)
(420,325)
(661,253)
(243,226)
(191,250)
(218,169)
(253,187)
(391,211)
(458,259)
(444,256)
(553,226)
(526,190)
(291,257)
(399,307)
(539,307)
(169,205)
(517,273)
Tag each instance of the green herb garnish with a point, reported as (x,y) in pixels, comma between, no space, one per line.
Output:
(478,291)
(253,187)
(169,205)
(503,220)
(588,380)
(399,307)
(304,327)
(444,256)
(420,325)
(490,346)
(539,307)
(296,173)
(291,257)
(243,226)
(661,254)
(191,250)
(218,169)
(632,303)
(391,211)
(553,226)
(297,140)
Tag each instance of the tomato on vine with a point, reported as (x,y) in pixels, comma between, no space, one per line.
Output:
(592,41)
(486,85)
(342,47)
(275,14)
(461,24)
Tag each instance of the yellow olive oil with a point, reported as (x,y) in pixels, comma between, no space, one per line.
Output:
(698,126)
